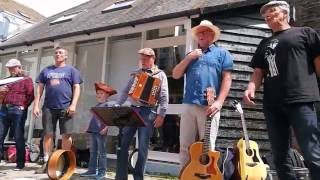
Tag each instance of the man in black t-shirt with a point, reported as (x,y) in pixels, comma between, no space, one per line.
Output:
(288,63)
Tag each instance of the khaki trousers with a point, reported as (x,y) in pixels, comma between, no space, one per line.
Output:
(192,125)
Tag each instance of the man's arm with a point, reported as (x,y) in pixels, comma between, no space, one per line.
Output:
(225,86)
(75,98)
(180,68)
(39,92)
(254,84)
(163,102)
(29,91)
(317,65)
(224,91)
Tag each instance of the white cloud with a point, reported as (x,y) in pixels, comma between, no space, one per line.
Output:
(50,7)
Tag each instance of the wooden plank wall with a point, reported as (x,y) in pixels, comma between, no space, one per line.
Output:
(241,35)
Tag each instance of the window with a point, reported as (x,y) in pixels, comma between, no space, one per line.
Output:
(166,59)
(123,4)
(166,32)
(64,18)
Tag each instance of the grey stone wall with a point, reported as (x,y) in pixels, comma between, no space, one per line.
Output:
(307,13)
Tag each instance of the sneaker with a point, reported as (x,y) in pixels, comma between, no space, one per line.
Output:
(88,174)
(100,176)
(18,169)
(42,169)
(40,161)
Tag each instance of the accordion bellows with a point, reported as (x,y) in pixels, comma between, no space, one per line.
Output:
(145,89)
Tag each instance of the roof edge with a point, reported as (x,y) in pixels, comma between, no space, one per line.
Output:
(188,13)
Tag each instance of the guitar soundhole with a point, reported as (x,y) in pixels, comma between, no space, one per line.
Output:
(204,159)
(249,152)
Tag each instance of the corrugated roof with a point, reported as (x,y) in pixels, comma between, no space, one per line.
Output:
(91,19)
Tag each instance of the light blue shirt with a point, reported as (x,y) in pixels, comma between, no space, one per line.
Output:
(206,72)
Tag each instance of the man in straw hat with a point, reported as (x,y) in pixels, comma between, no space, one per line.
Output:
(62,91)
(18,96)
(288,63)
(153,117)
(207,66)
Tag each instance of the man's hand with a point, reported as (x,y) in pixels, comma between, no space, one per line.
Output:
(248,97)
(194,54)
(4,89)
(158,121)
(104,131)
(36,111)
(214,108)
(71,110)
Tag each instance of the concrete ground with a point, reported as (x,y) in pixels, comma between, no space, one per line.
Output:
(28,173)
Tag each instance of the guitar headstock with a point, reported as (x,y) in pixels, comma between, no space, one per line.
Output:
(236,104)
(210,95)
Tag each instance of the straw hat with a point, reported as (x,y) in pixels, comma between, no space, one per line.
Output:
(104,87)
(205,23)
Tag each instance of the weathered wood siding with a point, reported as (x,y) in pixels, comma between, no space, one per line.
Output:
(241,35)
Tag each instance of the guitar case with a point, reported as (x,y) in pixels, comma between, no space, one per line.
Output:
(61,164)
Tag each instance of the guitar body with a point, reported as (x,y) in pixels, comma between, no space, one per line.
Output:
(250,165)
(195,170)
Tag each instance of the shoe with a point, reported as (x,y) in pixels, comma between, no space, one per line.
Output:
(42,169)
(40,161)
(88,174)
(18,169)
(100,176)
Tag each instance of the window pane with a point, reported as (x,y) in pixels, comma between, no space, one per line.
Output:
(166,32)
(166,59)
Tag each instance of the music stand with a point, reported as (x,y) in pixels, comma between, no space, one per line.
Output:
(118,116)
(121,117)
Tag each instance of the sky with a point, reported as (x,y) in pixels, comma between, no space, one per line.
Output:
(50,7)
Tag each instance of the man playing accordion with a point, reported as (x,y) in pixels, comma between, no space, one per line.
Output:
(152,114)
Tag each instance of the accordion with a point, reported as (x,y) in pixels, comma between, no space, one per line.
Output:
(145,89)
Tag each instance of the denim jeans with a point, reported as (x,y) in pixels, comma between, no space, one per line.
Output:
(98,153)
(13,117)
(303,119)
(144,134)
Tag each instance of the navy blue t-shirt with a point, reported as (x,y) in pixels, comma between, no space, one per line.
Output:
(59,83)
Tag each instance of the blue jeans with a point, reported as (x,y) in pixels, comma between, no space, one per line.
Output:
(98,154)
(303,119)
(13,117)
(144,134)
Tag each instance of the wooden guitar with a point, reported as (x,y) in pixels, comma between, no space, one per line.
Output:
(203,162)
(250,166)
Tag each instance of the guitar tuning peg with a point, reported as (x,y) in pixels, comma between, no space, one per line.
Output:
(234,103)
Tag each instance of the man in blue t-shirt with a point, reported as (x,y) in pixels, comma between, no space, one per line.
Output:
(208,66)
(62,90)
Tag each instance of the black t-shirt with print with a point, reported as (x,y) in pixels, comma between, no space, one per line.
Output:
(288,60)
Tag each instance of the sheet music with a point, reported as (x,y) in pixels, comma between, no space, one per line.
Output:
(9,80)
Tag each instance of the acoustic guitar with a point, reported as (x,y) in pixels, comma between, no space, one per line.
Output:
(203,162)
(250,165)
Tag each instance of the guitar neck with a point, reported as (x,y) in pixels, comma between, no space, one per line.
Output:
(245,132)
(209,96)
(207,135)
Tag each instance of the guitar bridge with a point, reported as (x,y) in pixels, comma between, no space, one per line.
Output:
(251,164)
(202,176)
